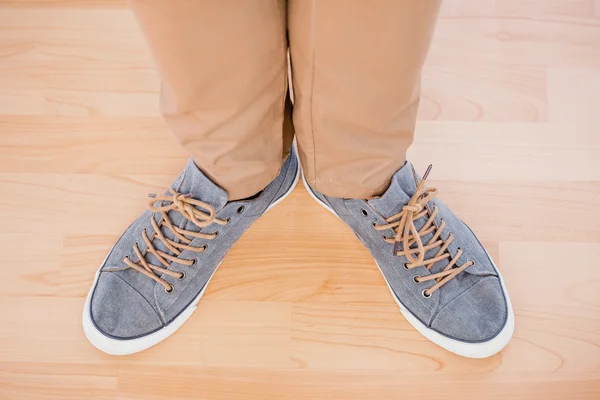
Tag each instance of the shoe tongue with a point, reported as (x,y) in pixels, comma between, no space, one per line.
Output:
(401,189)
(193,181)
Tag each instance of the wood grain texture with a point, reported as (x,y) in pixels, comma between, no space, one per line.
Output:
(298,310)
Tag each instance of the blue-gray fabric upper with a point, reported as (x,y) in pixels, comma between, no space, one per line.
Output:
(127,304)
(472,306)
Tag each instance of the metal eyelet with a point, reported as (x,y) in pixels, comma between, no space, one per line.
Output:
(228,220)
(405,265)
(182,276)
(416,279)
(194,261)
(241,209)
(374,224)
(170,290)
(472,262)
(203,247)
(216,234)
(424,293)
(364,212)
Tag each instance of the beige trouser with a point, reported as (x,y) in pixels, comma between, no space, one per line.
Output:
(356,67)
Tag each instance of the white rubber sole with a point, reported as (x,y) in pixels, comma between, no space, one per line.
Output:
(129,346)
(471,350)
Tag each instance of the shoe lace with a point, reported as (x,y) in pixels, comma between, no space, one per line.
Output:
(406,233)
(186,206)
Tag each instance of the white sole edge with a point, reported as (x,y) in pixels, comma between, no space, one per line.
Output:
(119,347)
(470,350)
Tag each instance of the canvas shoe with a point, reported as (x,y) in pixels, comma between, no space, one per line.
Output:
(440,275)
(154,276)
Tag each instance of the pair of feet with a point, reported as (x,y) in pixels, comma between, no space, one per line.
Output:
(440,275)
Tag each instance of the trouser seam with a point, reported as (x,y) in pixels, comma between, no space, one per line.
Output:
(312,86)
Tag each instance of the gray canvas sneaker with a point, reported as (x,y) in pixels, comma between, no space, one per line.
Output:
(152,279)
(440,275)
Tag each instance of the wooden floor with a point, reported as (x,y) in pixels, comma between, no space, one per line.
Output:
(510,119)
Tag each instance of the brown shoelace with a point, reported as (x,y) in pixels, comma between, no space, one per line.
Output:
(186,206)
(403,225)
